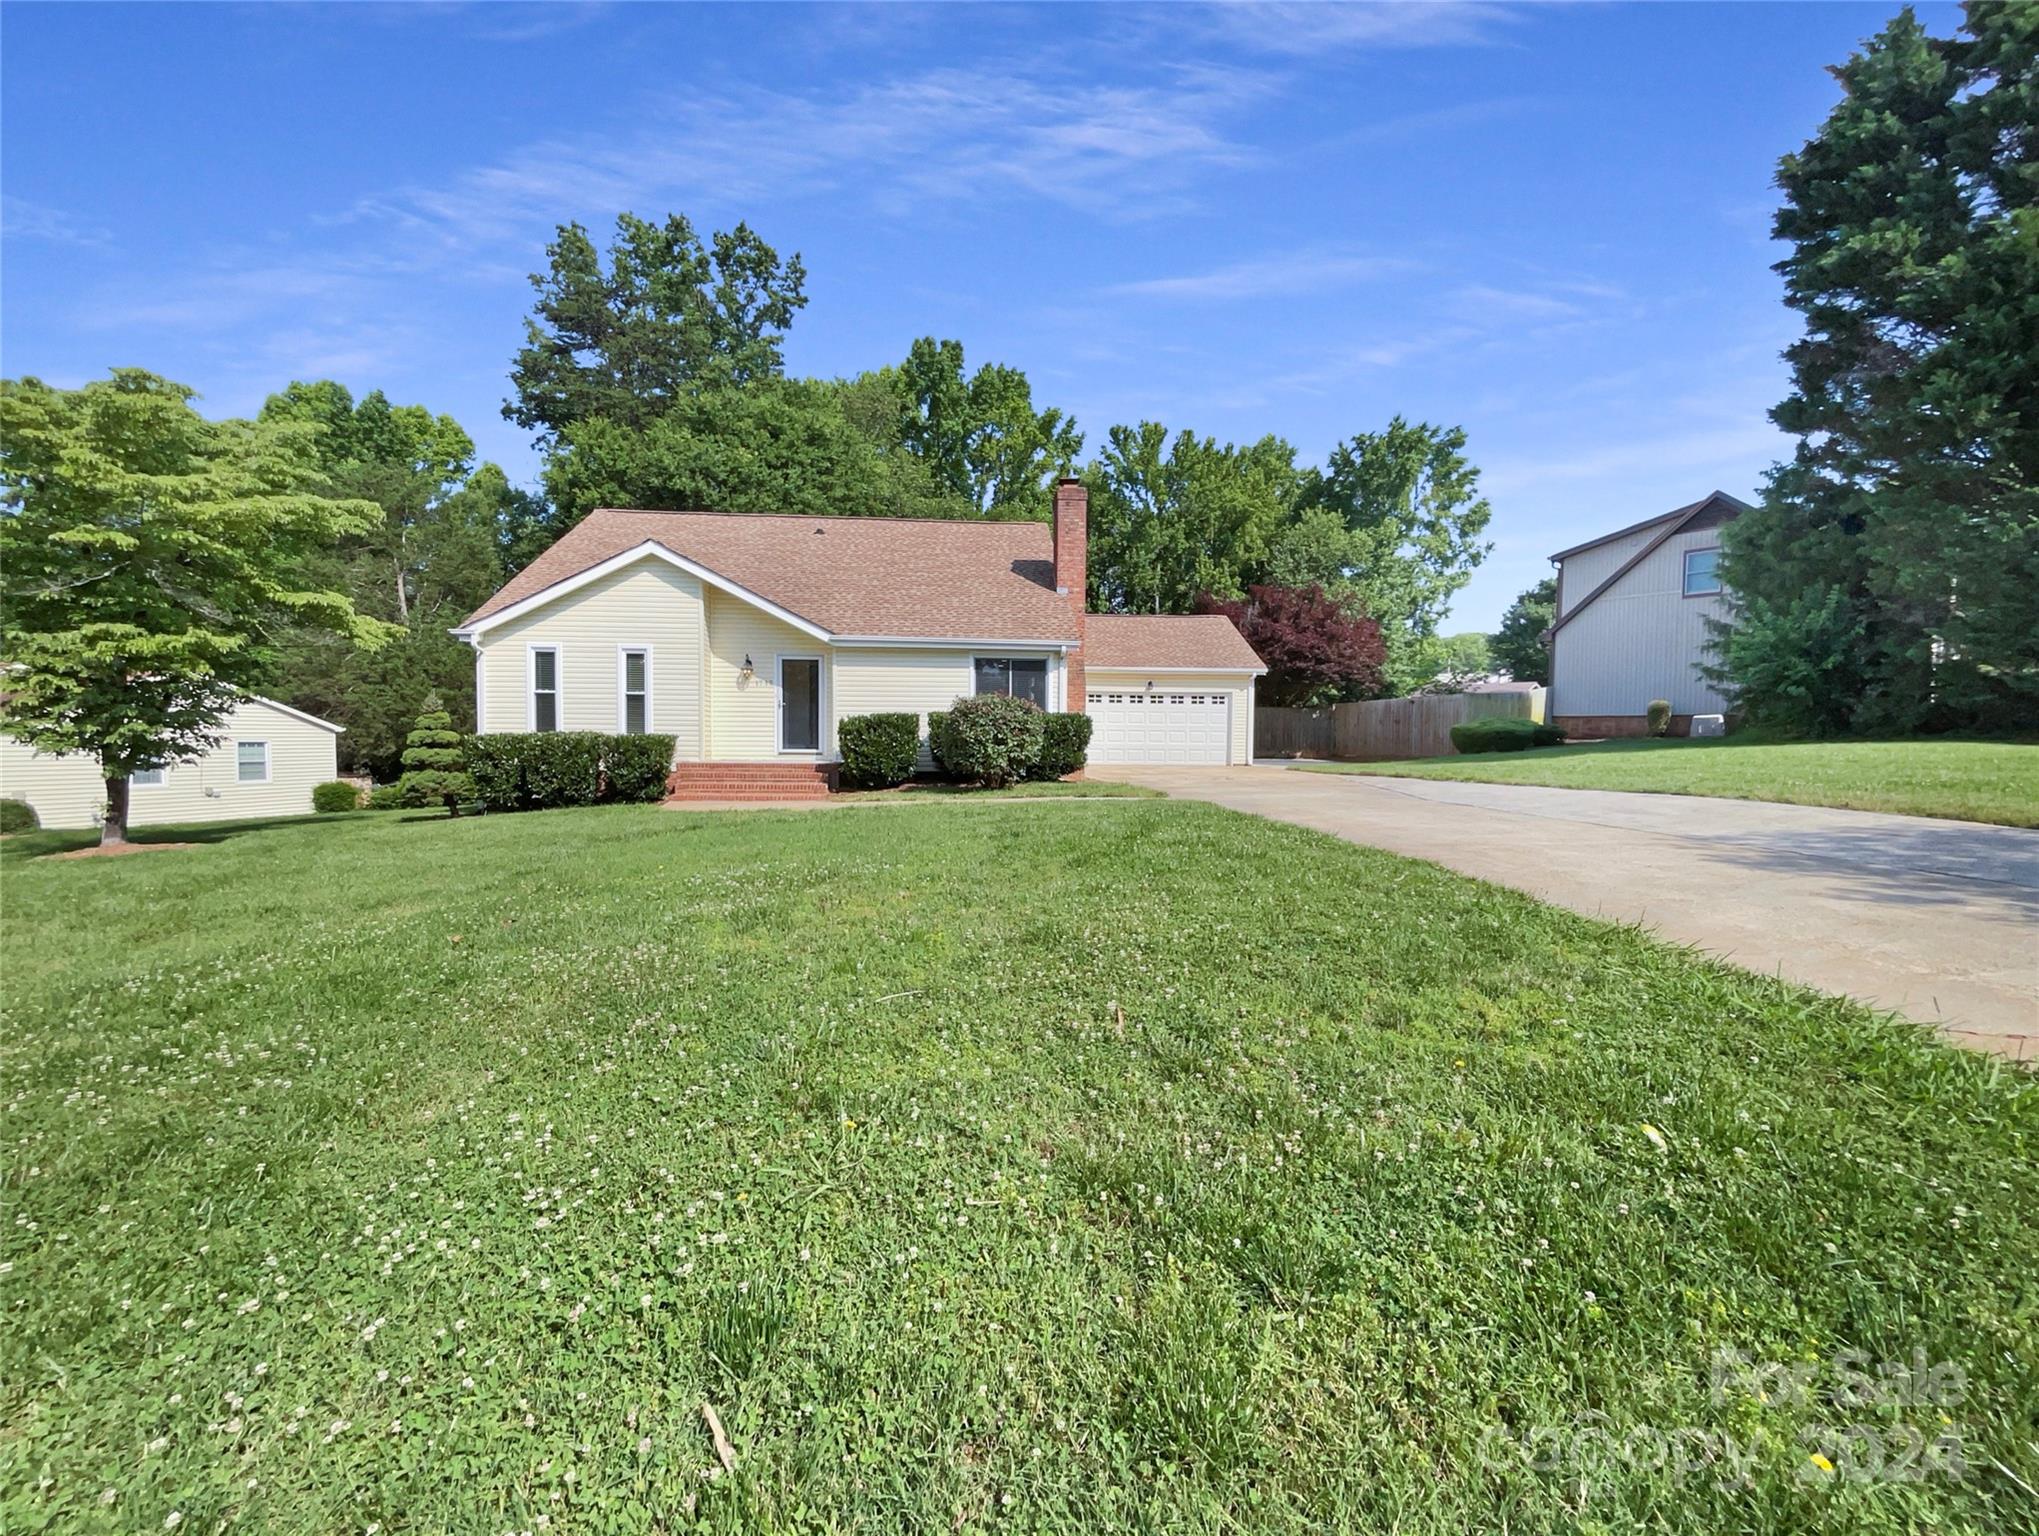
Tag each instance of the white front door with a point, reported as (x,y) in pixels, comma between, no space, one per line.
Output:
(1160,727)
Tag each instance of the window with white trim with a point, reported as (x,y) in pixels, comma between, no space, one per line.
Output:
(633,680)
(1702,572)
(251,762)
(1023,677)
(544,689)
(147,778)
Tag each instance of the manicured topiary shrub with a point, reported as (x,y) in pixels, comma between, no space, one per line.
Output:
(335,795)
(938,741)
(435,771)
(635,768)
(1658,716)
(1504,735)
(1065,740)
(993,739)
(17,816)
(878,751)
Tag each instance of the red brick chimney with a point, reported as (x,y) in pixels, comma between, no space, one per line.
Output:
(1072,575)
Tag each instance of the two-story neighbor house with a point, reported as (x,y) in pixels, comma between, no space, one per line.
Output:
(1631,625)
(748,637)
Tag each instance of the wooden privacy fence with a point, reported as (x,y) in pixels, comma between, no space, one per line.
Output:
(1381,729)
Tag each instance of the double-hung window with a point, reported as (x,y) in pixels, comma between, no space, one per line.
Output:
(1023,677)
(251,762)
(146,778)
(633,683)
(1702,572)
(544,688)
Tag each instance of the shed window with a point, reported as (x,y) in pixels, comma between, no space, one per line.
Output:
(1022,677)
(251,762)
(146,778)
(1702,572)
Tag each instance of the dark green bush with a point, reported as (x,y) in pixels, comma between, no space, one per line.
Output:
(335,795)
(635,768)
(496,766)
(993,739)
(1065,740)
(1504,735)
(541,770)
(435,771)
(1659,717)
(384,797)
(18,816)
(878,751)
(938,741)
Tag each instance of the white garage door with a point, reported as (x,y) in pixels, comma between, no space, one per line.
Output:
(1160,727)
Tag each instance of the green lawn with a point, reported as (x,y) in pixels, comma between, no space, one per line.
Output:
(1970,780)
(1126,1165)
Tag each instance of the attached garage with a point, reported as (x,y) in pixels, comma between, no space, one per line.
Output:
(1173,690)
(1160,727)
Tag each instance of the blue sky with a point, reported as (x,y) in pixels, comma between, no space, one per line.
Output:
(1547,224)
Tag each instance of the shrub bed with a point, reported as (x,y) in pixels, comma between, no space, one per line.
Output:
(1504,735)
(335,795)
(878,751)
(543,770)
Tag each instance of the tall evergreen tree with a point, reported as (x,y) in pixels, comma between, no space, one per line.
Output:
(1890,578)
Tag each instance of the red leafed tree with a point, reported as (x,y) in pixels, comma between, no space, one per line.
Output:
(1315,645)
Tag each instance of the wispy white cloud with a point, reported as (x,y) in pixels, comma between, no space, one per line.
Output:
(1727,447)
(1313,29)
(1286,273)
(21,219)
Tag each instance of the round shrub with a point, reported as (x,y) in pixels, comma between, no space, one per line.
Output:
(1502,734)
(334,796)
(385,797)
(993,740)
(18,816)
(1065,742)
(878,751)
(1658,716)
(635,768)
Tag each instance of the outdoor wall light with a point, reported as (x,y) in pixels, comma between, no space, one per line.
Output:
(748,669)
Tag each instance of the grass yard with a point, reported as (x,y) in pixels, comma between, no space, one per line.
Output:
(1111,1165)
(1995,781)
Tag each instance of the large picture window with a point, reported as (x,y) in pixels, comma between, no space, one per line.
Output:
(1021,677)
(544,689)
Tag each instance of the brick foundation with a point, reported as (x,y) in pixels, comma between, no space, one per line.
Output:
(1594,727)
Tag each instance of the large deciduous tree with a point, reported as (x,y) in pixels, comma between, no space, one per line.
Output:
(1409,499)
(1318,647)
(669,314)
(149,561)
(979,435)
(1890,578)
(1518,647)
(1171,520)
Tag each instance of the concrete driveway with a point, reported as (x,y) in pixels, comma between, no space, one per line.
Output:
(1937,920)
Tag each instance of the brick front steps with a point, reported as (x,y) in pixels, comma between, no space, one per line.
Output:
(750,781)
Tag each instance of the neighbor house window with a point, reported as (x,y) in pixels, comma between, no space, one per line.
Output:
(1702,572)
(635,682)
(251,762)
(544,689)
(1022,677)
(146,778)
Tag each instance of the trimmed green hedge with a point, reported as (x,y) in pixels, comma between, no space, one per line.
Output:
(1504,735)
(18,816)
(1658,717)
(878,751)
(1065,742)
(543,770)
(335,795)
(938,741)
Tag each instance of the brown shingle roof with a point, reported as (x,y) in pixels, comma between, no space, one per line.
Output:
(914,578)
(1166,640)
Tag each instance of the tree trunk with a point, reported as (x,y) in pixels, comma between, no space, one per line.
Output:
(403,598)
(114,828)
